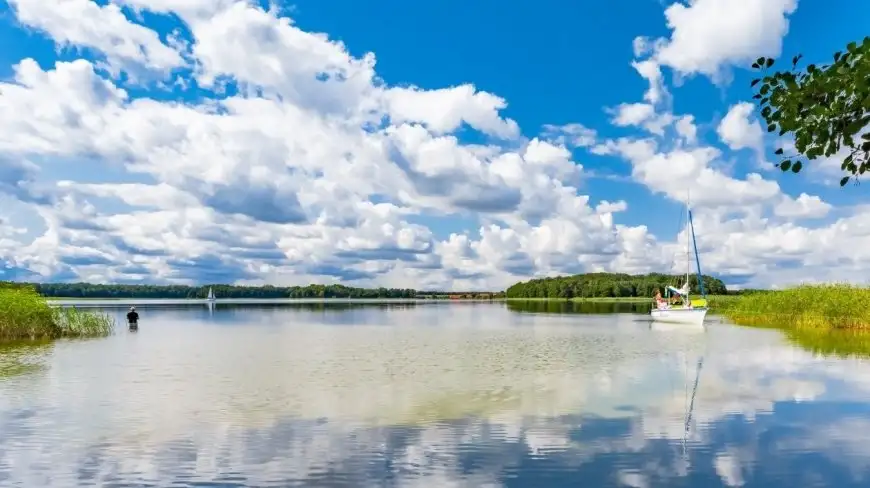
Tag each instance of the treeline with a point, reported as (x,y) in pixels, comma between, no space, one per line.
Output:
(608,285)
(88,290)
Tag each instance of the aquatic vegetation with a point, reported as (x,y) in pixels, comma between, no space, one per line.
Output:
(19,358)
(834,306)
(717,301)
(25,314)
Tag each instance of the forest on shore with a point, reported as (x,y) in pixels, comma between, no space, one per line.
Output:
(608,285)
(88,290)
(110,291)
(589,285)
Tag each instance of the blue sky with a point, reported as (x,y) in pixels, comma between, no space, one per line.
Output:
(439,165)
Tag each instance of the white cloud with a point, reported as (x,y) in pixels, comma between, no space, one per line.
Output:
(804,206)
(710,35)
(651,71)
(309,167)
(572,135)
(276,183)
(686,129)
(443,110)
(740,130)
(86,24)
(642,115)
(633,113)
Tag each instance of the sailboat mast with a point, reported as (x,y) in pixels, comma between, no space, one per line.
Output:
(697,256)
(688,252)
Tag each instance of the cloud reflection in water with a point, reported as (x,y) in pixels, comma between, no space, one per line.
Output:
(512,400)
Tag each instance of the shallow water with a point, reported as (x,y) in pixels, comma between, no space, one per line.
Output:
(437,394)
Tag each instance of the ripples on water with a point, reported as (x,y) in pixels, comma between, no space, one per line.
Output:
(431,395)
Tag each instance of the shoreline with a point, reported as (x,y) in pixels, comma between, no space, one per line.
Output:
(713,298)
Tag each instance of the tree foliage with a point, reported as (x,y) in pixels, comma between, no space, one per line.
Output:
(824,107)
(88,290)
(605,285)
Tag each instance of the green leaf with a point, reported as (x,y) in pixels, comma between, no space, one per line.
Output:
(844,180)
(771,127)
(837,56)
(779,151)
(755,81)
(760,61)
(852,47)
(866,136)
(811,68)
(755,65)
(796,167)
(769,62)
(785,165)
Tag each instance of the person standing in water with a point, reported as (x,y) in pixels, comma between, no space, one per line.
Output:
(133,317)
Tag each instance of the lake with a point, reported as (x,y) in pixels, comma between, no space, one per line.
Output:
(431,395)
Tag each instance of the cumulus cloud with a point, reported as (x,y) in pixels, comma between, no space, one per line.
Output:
(298,163)
(281,180)
(105,28)
(803,206)
(708,36)
(739,130)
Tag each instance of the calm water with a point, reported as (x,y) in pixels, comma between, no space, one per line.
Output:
(476,395)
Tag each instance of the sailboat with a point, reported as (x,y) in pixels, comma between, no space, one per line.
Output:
(690,312)
(210,295)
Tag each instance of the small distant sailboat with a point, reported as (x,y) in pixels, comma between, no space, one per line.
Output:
(690,312)
(210,295)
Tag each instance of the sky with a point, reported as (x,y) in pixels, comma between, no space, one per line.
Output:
(431,145)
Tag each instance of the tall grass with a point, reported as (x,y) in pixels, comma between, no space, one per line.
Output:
(716,302)
(25,314)
(835,306)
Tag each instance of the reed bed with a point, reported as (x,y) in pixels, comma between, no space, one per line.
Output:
(834,306)
(26,315)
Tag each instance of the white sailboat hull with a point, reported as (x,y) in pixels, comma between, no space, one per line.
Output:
(687,316)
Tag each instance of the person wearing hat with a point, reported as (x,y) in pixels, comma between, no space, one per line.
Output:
(133,317)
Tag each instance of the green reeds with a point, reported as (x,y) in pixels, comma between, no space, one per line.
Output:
(834,306)
(26,315)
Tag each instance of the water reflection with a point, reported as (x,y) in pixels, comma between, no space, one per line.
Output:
(18,358)
(838,343)
(470,395)
(570,306)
